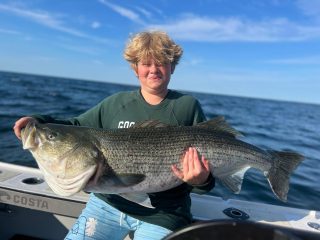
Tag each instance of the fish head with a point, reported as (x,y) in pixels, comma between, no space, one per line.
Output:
(65,155)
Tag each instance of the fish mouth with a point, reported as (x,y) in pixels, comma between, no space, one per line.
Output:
(68,186)
(29,136)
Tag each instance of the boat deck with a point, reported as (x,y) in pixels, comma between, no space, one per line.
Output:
(30,208)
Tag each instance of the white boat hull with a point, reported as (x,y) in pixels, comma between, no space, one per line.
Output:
(29,207)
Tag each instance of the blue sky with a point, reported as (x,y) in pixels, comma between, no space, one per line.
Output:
(266,49)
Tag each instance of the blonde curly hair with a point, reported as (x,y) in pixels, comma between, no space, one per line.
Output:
(152,44)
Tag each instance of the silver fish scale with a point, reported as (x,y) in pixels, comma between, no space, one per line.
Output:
(139,159)
(152,152)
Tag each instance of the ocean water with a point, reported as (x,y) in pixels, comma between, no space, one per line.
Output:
(264,123)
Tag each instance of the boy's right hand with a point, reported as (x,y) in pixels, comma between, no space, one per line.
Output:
(21,123)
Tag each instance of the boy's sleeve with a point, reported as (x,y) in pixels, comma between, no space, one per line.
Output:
(49,119)
(91,118)
(206,187)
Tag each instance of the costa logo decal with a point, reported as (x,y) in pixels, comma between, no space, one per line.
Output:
(23,200)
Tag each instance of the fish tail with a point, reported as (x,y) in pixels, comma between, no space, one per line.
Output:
(284,163)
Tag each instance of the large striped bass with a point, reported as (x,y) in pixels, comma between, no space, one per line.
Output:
(135,161)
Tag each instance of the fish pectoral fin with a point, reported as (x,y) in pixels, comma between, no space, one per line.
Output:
(139,198)
(131,179)
(234,181)
(123,180)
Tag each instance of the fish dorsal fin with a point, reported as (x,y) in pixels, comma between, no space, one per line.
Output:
(150,124)
(219,124)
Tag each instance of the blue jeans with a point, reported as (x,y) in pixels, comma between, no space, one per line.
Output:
(99,220)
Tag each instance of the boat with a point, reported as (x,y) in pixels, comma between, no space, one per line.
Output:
(29,209)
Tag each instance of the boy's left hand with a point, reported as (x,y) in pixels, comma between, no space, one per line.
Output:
(195,171)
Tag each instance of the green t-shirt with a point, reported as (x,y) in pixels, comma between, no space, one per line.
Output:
(124,109)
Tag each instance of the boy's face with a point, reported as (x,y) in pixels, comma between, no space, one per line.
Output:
(153,77)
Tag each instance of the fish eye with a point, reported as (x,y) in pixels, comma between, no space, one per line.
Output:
(51,136)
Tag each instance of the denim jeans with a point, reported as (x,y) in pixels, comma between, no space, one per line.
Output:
(99,220)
